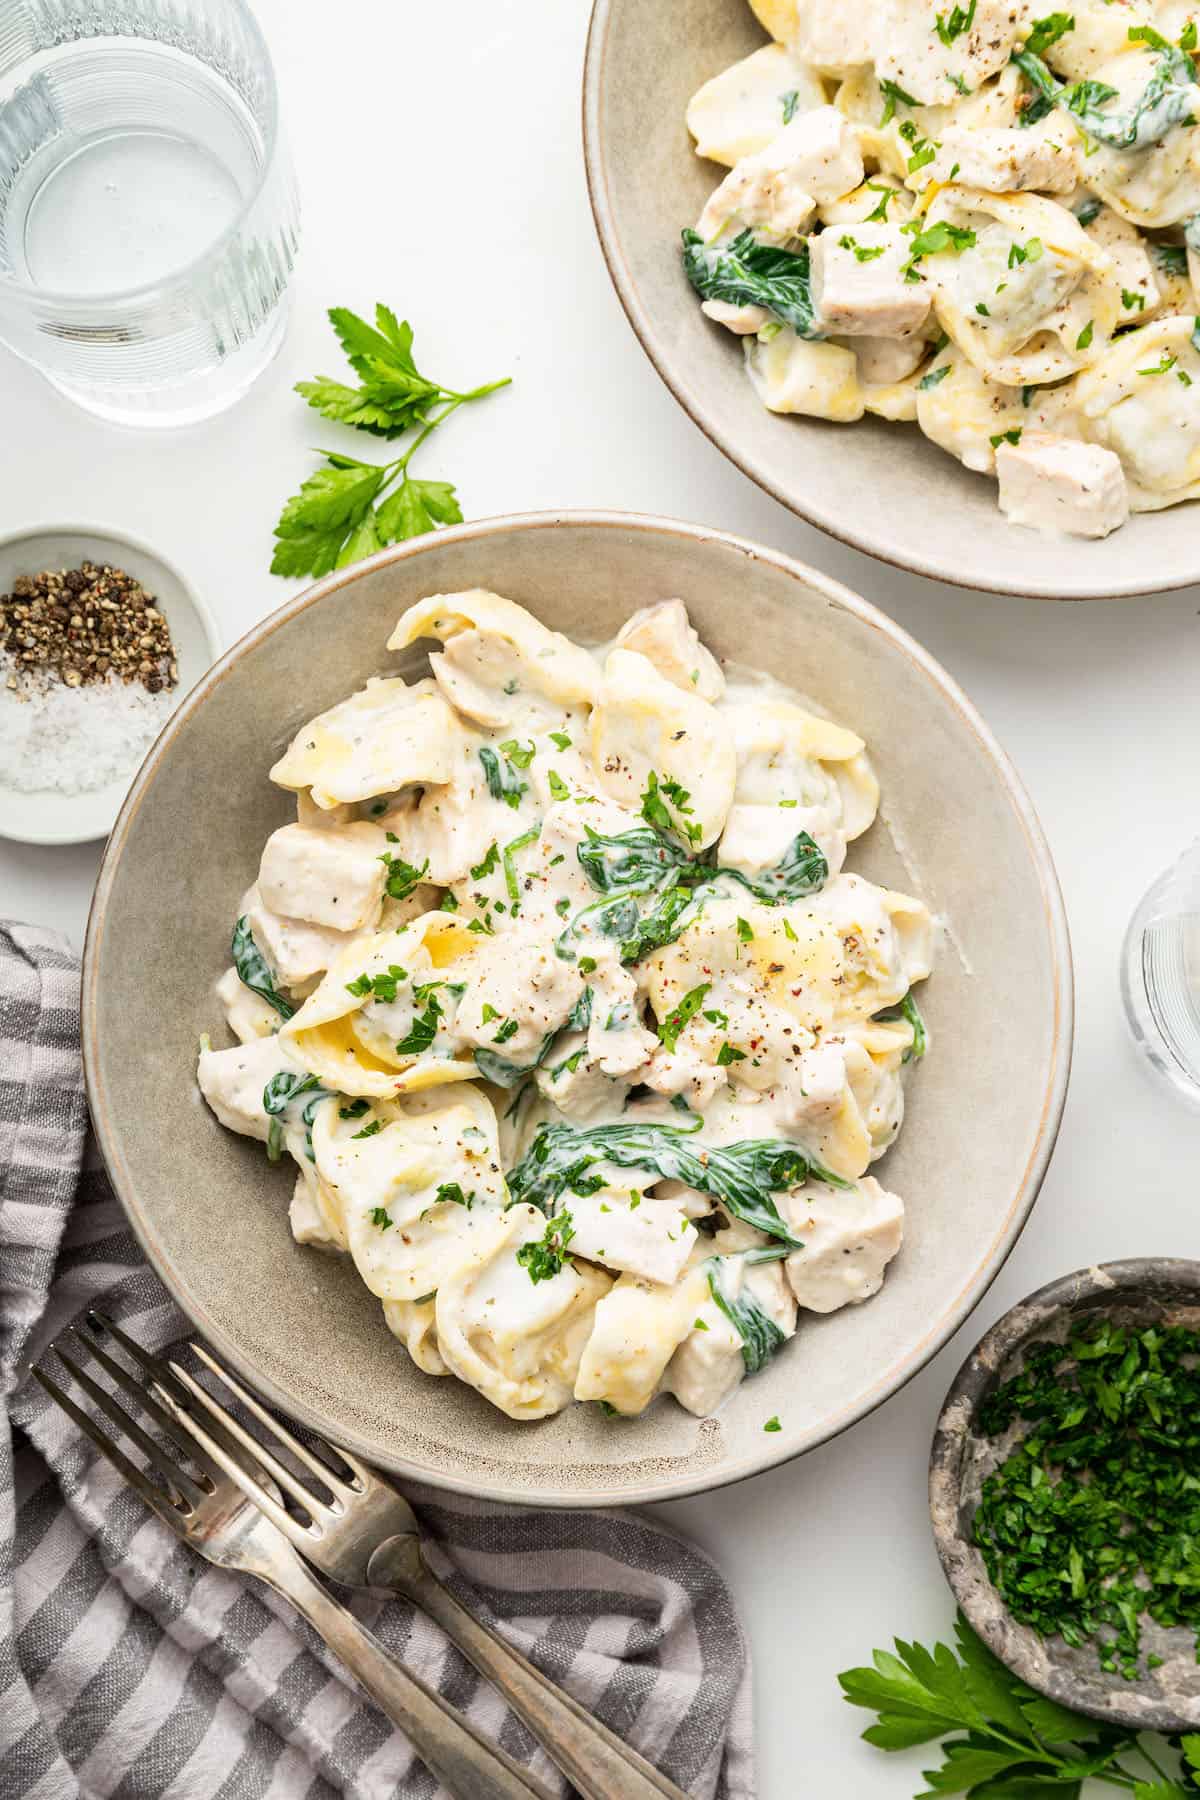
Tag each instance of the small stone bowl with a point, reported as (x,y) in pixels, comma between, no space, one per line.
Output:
(1151,1290)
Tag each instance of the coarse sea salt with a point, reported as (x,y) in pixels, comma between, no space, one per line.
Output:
(70,740)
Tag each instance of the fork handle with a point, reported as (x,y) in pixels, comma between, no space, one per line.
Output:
(599,1765)
(447,1743)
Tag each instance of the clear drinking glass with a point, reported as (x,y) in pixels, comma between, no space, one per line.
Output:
(1160,975)
(148,216)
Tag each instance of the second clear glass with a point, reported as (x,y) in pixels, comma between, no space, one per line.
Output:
(1160,975)
(148,213)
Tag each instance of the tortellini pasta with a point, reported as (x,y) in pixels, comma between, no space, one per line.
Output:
(571,1017)
(967,218)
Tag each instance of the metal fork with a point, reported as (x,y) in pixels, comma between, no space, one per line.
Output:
(211,1513)
(367,1535)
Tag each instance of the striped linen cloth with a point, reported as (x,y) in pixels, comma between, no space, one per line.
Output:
(131,1668)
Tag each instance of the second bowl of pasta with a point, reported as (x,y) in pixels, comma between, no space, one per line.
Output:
(927,274)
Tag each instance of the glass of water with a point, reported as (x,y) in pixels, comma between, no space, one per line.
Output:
(148,217)
(1160,975)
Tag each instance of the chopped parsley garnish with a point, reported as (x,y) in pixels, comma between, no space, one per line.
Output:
(380,987)
(452,1194)
(402,878)
(519,757)
(380,1217)
(674,1023)
(510,850)
(560,739)
(790,101)
(745,931)
(1165,362)
(933,240)
(727,1054)
(1132,301)
(934,376)
(1006,437)
(504,1032)
(773,1424)
(558,787)
(893,96)
(862,253)
(1086,335)
(424,1029)
(545,1257)
(1092,1519)
(1047,31)
(656,813)
(355,1110)
(886,196)
(954,23)
(489,862)
(488,1013)
(370,1130)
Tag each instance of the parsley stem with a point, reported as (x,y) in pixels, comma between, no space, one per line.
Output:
(1142,1751)
(478,393)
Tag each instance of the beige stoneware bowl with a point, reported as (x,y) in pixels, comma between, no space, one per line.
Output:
(211,1211)
(883,488)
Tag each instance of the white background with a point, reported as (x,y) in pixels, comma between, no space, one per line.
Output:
(440,168)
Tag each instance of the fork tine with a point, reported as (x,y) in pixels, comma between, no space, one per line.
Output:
(145,1399)
(154,1367)
(300,1451)
(149,1364)
(184,1484)
(303,1496)
(235,1467)
(154,1497)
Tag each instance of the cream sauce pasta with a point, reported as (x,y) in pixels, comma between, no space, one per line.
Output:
(560,1000)
(984,218)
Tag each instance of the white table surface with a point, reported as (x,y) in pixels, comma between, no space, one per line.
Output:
(439,160)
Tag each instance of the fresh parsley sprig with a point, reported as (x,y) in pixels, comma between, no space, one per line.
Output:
(349,508)
(1014,1743)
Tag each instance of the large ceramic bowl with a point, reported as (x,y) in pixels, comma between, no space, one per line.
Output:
(212,1212)
(883,488)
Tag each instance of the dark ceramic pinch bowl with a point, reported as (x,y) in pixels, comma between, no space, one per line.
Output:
(1145,1291)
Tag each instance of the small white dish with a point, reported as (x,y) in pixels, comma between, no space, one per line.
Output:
(47,817)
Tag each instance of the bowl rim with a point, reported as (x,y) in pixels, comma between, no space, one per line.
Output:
(1098,1283)
(959,1306)
(55,837)
(692,402)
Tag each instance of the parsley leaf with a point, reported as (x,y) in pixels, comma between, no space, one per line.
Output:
(671,1027)
(1013,1742)
(1047,31)
(333,520)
